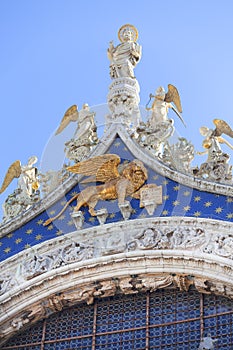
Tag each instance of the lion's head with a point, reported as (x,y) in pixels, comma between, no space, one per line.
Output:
(136,173)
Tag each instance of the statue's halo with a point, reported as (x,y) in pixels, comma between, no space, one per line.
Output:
(129,27)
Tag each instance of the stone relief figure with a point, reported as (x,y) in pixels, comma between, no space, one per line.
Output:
(114,244)
(125,56)
(179,238)
(216,167)
(153,283)
(187,237)
(15,325)
(85,136)
(7,282)
(76,252)
(26,193)
(149,239)
(39,264)
(223,246)
(72,252)
(118,184)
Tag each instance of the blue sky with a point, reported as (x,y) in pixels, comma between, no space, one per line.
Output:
(53,55)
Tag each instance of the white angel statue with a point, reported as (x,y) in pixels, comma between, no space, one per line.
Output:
(26,174)
(161,104)
(216,167)
(213,139)
(85,136)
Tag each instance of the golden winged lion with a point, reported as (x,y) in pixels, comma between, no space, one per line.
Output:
(117,183)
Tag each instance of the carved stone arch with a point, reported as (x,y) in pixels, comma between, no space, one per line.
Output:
(125,257)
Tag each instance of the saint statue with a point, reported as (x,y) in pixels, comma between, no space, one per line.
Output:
(125,56)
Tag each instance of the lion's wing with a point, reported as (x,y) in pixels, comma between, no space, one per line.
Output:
(104,167)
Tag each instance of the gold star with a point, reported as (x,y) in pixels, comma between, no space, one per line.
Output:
(230,215)
(165,212)
(155,177)
(197,213)
(39,237)
(229,199)
(175,203)
(208,204)
(142,216)
(91,219)
(62,203)
(112,215)
(165,182)
(166,197)
(70,223)
(40,222)
(10,235)
(117,144)
(52,212)
(62,217)
(187,208)
(28,232)
(186,193)
(27,246)
(125,149)
(50,227)
(176,188)
(218,210)
(73,193)
(59,232)
(7,250)
(197,199)
(18,240)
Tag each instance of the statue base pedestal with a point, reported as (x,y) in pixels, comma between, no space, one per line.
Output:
(123,102)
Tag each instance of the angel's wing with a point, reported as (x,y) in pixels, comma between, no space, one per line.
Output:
(222,128)
(71,115)
(104,167)
(173,96)
(13,172)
